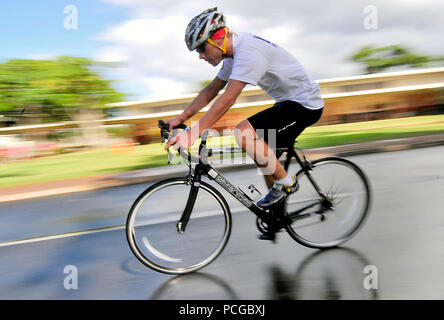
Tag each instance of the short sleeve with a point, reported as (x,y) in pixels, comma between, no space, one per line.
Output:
(225,71)
(249,65)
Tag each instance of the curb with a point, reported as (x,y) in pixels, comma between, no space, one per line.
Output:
(156,174)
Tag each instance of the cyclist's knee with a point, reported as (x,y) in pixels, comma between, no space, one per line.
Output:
(244,132)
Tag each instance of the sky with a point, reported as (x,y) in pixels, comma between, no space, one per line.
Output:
(146,37)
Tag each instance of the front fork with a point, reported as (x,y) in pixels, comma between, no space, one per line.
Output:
(185,217)
(194,180)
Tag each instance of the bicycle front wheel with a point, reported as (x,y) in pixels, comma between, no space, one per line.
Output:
(152,232)
(346,188)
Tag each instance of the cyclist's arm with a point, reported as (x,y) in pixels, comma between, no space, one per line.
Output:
(221,106)
(203,98)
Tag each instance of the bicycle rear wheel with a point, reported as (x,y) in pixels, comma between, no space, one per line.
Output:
(152,233)
(346,187)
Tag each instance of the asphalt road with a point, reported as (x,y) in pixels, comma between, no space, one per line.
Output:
(400,247)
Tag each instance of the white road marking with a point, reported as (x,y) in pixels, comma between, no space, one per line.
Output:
(98,230)
(59,236)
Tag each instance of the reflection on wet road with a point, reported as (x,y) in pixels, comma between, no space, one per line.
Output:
(329,274)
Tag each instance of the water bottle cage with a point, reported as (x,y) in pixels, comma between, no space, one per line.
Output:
(253,189)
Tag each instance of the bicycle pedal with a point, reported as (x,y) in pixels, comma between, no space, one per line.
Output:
(267,236)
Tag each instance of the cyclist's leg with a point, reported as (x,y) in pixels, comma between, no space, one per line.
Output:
(277,126)
(269,179)
(258,136)
(259,151)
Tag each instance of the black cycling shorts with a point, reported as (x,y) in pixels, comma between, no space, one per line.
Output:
(281,124)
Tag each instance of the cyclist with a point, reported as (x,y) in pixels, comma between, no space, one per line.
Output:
(249,59)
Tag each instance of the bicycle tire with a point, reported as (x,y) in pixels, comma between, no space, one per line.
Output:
(149,217)
(356,211)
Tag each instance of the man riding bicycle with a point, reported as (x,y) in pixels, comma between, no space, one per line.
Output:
(248,59)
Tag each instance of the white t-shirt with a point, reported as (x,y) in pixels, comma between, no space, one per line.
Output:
(259,62)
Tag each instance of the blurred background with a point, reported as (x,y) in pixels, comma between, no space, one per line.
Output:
(88,80)
(83,84)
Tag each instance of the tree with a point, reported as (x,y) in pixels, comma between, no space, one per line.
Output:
(377,59)
(53,90)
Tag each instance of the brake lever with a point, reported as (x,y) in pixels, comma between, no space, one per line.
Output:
(167,135)
(165,129)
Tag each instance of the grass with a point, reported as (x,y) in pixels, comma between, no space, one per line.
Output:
(323,136)
(81,164)
(107,161)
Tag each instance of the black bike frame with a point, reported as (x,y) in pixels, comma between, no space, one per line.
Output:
(203,168)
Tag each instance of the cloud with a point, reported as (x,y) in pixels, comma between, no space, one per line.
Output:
(42,56)
(153,52)
(321,34)
(162,87)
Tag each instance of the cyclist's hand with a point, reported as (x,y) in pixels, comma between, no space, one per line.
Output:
(173,122)
(183,140)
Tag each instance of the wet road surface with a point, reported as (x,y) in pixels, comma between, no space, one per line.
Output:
(400,246)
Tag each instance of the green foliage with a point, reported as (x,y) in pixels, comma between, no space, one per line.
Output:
(377,59)
(53,89)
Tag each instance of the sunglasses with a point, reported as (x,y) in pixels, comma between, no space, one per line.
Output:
(201,48)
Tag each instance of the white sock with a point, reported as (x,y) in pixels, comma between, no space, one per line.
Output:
(287,181)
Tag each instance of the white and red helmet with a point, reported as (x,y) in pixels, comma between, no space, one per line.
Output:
(201,27)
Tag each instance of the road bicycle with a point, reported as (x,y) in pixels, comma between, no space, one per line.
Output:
(180,225)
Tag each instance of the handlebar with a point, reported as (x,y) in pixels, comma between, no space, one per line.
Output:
(165,133)
(165,129)
(204,153)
